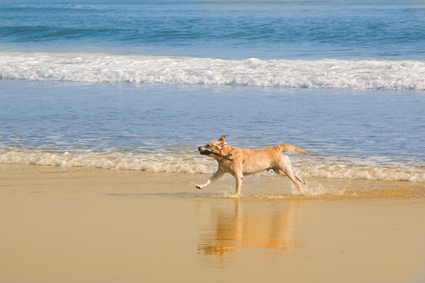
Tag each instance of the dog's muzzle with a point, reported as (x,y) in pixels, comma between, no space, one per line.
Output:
(204,150)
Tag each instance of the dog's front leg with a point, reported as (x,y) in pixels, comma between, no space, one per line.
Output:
(213,178)
(238,184)
(239,179)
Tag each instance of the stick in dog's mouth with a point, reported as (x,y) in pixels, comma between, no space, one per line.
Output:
(204,150)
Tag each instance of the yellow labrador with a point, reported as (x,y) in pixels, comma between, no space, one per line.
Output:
(240,162)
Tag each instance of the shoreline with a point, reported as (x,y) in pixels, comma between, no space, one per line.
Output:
(255,186)
(96,225)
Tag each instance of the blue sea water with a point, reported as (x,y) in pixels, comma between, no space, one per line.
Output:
(138,85)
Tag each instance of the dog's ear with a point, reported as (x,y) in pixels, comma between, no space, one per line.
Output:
(222,145)
(223,138)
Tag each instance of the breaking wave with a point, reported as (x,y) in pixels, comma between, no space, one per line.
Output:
(326,73)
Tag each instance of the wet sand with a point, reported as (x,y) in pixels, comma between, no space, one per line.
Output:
(91,225)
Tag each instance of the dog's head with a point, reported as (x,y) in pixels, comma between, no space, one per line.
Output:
(216,149)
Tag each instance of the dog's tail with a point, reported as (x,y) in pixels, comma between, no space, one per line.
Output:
(293,148)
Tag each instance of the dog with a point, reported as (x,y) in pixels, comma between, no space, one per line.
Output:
(240,162)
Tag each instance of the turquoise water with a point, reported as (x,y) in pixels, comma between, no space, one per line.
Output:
(220,29)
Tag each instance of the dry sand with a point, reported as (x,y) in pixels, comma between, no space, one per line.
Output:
(90,225)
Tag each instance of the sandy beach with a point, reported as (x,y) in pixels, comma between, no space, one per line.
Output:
(90,225)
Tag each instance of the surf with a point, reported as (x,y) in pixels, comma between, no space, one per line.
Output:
(134,69)
(192,163)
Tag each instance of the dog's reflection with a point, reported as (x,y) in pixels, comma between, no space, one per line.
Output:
(250,224)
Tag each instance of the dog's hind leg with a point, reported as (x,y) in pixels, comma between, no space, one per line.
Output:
(213,178)
(299,178)
(292,176)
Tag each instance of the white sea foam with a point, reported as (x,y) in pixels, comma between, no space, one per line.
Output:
(326,73)
(150,162)
(193,163)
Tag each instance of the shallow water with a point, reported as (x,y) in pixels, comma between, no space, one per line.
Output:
(348,134)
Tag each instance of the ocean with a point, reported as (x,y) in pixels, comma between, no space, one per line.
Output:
(139,85)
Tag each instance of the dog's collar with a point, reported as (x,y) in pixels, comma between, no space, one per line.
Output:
(227,156)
